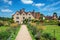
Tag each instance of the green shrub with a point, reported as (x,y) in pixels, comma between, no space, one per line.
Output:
(1,24)
(59,24)
(37,36)
(4,35)
(33,29)
(6,23)
(14,25)
(47,36)
(51,22)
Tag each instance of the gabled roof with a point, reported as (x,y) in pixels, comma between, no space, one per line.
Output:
(48,17)
(15,13)
(34,14)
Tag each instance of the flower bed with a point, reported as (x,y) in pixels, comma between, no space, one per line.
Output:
(8,33)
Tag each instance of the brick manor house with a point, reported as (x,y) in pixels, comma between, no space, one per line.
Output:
(19,16)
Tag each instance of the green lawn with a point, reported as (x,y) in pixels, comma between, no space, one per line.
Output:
(50,28)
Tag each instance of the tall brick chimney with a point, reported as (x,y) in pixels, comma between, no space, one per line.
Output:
(22,10)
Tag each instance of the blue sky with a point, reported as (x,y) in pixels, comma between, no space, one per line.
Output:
(46,7)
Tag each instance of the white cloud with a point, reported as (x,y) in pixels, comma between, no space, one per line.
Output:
(39,4)
(10,2)
(31,2)
(27,1)
(7,1)
(6,10)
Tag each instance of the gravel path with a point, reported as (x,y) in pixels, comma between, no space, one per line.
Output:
(23,34)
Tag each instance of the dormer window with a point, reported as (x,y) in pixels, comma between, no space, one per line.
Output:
(17,14)
(29,14)
(23,14)
(17,17)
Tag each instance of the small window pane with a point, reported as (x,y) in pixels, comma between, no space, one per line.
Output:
(29,14)
(17,21)
(23,17)
(17,17)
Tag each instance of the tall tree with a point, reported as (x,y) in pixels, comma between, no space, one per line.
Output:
(55,14)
